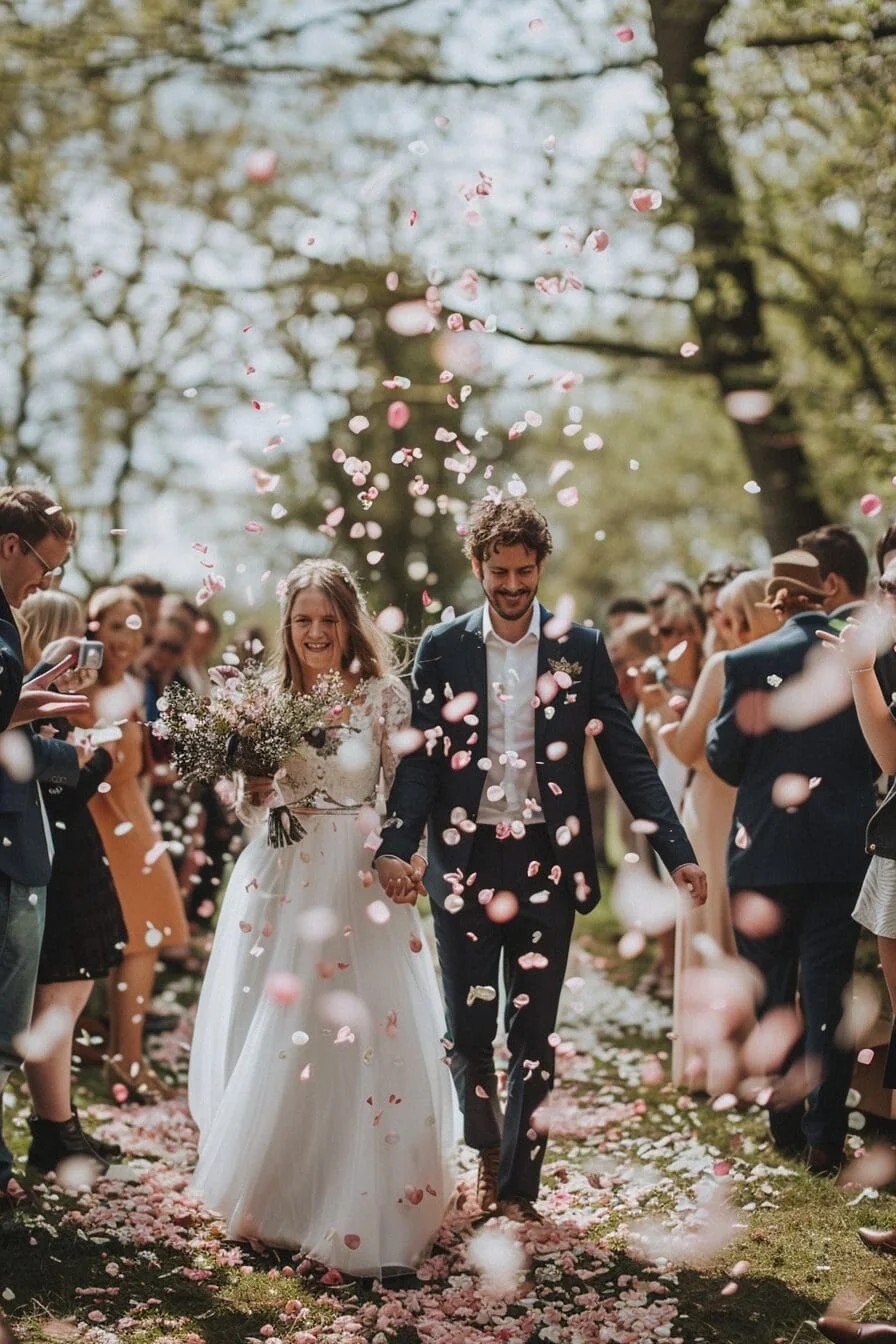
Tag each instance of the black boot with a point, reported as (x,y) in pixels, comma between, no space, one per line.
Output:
(53,1142)
(104,1150)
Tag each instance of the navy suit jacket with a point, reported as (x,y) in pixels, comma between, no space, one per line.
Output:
(822,840)
(429,793)
(24,855)
(10,663)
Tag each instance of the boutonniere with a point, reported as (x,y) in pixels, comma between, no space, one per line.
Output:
(565,672)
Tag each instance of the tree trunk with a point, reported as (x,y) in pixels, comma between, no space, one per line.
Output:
(727,309)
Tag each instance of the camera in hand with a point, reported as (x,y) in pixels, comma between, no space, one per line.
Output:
(655,667)
(90,654)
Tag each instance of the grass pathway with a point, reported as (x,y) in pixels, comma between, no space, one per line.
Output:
(667,1221)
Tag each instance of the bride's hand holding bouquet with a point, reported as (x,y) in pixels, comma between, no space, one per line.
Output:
(247,725)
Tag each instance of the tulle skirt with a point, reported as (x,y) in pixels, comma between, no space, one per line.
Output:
(326,1115)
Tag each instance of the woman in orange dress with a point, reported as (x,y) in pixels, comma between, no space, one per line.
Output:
(141,869)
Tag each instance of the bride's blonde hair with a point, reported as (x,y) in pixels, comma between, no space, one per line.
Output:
(368,651)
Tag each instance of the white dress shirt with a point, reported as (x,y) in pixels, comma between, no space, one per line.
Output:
(510,791)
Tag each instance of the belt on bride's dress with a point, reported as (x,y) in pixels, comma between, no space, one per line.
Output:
(285,828)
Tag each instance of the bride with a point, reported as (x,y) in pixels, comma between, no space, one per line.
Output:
(325,1112)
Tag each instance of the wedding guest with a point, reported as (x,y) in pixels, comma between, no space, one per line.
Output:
(668,677)
(629,646)
(800,846)
(84,931)
(516,825)
(215,832)
(660,589)
(698,1062)
(324,1109)
(206,636)
(709,585)
(885,554)
(164,653)
(859,645)
(621,608)
(250,643)
(151,592)
(35,539)
(885,547)
(843,566)
(141,869)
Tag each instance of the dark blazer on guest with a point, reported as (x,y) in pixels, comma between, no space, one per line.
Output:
(438,789)
(823,839)
(24,854)
(11,669)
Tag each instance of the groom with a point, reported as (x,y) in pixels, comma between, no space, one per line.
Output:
(505,698)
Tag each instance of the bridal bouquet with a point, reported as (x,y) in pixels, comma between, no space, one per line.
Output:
(245,724)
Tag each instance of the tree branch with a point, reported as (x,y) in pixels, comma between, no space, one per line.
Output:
(606,349)
(878,29)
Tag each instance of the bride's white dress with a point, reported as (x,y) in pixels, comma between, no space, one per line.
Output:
(326,1115)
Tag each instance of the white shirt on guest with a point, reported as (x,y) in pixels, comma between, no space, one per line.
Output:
(511,674)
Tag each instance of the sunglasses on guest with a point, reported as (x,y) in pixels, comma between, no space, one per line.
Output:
(887,587)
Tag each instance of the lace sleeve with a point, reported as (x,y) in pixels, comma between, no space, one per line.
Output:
(395,714)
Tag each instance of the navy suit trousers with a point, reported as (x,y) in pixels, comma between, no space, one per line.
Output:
(476,952)
(812,951)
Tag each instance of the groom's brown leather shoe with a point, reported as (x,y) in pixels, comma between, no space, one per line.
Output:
(518,1210)
(487,1178)
(879,1241)
(843,1331)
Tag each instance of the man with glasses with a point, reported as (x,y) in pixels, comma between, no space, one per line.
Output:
(35,537)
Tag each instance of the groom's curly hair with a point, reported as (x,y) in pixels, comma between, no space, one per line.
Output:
(506,522)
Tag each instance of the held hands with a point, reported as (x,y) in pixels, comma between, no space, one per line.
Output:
(691,880)
(402,882)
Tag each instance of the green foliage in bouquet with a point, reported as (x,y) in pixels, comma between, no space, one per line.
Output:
(246,724)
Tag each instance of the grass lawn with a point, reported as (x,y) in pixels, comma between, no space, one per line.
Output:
(754,1245)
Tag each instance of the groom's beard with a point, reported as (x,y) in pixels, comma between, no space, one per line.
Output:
(510,610)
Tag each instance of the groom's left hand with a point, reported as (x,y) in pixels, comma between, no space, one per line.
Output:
(691,879)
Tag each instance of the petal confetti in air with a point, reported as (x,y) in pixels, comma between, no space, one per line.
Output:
(644,199)
(755,915)
(398,415)
(503,907)
(46,1034)
(870,505)
(459,706)
(790,790)
(642,901)
(750,406)
(282,987)
(261,166)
